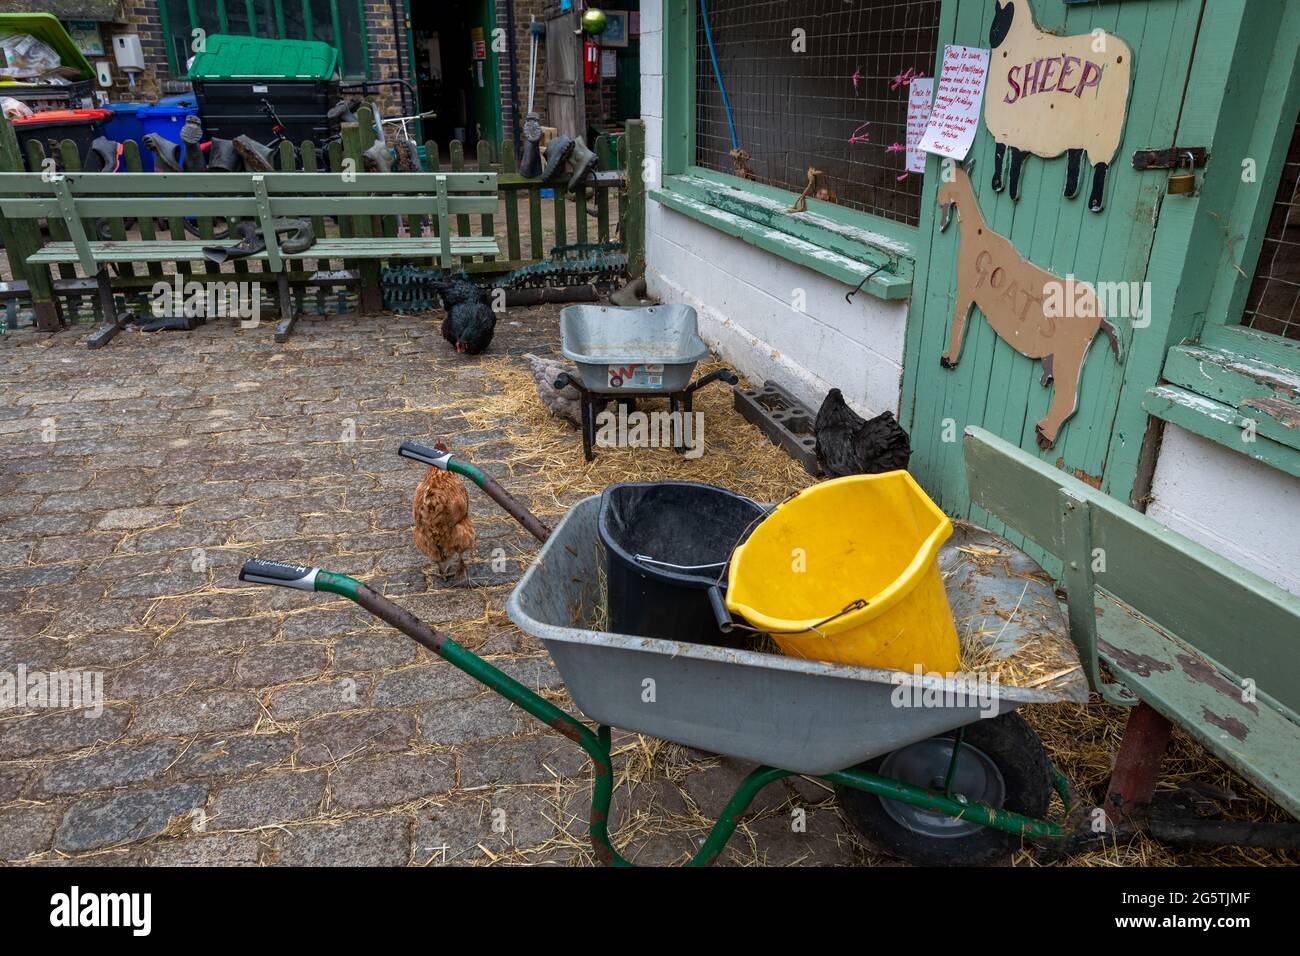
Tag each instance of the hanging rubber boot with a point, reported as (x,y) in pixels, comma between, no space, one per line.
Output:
(378,158)
(557,154)
(582,161)
(257,158)
(104,156)
(166,154)
(344,111)
(408,157)
(191,134)
(530,165)
(222,157)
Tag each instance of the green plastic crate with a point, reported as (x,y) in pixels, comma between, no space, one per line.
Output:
(239,58)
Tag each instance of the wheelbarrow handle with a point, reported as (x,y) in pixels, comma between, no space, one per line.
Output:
(306,578)
(300,577)
(723,374)
(444,460)
(423,453)
(564,380)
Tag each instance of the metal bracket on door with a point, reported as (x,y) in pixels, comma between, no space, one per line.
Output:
(1175,157)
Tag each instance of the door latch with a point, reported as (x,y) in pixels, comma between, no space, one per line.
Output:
(1183,162)
(1174,158)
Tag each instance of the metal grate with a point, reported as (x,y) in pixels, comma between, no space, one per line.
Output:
(838,106)
(1273,304)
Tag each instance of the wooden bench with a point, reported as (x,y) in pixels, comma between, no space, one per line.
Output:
(1194,638)
(80,198)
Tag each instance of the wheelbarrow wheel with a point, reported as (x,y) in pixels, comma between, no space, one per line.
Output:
(1001,762)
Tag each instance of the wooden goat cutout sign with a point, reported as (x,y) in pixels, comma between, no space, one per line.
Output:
(1049,95)
(1035,312)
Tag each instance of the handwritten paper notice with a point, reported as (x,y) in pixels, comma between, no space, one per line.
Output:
(918,115)
(956,113)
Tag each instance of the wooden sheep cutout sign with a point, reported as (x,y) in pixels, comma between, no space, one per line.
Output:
(1037,313)
(1049,95)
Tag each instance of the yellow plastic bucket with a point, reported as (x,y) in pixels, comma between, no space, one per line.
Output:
(874,538)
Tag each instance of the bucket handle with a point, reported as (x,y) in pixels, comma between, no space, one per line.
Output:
(720,612)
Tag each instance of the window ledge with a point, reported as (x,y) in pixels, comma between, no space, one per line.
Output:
(1260,391)
(1223,424)
(842,252)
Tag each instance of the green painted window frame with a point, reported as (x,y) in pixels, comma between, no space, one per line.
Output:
(1212,383)
(845,244)
(178,70)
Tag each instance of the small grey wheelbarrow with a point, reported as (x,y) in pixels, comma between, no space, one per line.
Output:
(625,353)
(925,766)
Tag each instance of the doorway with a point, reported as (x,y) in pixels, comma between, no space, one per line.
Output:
(456,72)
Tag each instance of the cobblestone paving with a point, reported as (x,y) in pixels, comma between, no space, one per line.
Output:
(260,726)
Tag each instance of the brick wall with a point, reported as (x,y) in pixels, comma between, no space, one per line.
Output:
(386,41)
(524,9)
(141,18)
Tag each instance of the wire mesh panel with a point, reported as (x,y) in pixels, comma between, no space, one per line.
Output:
(1273,304)
(819,83)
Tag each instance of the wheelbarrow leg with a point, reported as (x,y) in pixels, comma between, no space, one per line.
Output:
(591,408)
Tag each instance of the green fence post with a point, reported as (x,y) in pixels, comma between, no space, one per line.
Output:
(487,221)
(362,226)
(457,150)
(634,229)
(24,239)
(602,195)
(509,172)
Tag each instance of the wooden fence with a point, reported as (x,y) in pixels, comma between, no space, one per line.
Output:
(528,224)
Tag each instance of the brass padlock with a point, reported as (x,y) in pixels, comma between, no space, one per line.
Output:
(1183,184)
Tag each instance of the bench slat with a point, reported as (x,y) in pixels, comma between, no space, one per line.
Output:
(1257,740)
(98,207)
(212,184)
(355,248)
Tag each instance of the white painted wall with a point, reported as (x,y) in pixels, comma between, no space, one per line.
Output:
(1245,510)
(745,297)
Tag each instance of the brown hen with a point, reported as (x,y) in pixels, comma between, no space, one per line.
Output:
(443,528)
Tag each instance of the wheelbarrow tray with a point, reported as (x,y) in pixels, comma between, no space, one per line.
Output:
(649,350)
(804,716)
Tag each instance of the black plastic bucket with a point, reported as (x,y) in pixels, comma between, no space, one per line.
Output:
(667,544)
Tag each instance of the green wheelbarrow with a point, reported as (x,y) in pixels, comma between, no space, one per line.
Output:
(936,769)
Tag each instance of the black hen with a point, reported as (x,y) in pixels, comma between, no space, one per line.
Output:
(470,322)
(469,327)
(456,291)
(848,444)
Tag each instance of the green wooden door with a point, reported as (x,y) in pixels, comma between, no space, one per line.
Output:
(485,81)
(994,386)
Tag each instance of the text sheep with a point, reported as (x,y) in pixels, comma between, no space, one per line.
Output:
(1049,95)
